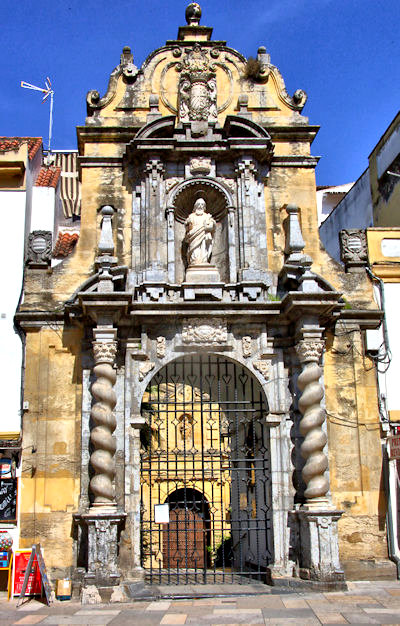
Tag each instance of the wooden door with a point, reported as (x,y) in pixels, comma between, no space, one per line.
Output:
(184,540)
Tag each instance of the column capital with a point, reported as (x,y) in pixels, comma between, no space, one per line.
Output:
(309,350)
(104,352)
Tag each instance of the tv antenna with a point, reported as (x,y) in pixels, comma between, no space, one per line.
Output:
(48,91)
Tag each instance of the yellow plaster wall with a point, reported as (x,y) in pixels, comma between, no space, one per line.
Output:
(355,457)
(386,212)
(51,442)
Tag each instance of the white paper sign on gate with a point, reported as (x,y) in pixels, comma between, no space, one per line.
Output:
(161,513)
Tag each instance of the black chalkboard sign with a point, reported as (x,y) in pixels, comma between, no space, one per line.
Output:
(8,499)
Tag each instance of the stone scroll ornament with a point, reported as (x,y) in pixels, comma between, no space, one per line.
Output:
(101,436)
(197,87)
(309,353)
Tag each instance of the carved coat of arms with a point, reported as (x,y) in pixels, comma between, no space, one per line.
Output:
(197,87)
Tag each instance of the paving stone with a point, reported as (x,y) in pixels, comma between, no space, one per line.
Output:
(359,618)
(161,605)
(384,619)
(274,602)
(288,613)
(295,603)
(31,605)
(385,611)
(98,612)
(78,619)
(30,619)
(292,620)
(236,611)
(174,618)
(210,618)
(331,618)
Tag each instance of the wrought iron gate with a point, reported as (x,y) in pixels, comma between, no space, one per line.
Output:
(205,474)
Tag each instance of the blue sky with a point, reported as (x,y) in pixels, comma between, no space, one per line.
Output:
(344,53)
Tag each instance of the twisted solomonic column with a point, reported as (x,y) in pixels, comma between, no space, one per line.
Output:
(102,459)
(309,353)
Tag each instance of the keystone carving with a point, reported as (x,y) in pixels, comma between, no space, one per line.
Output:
(102,415)
(247,346)
(309,353)
(145,368)
(200,331)
(263,368)
(200,165)
(161,347)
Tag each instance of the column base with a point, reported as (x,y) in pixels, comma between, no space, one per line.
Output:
(319,548)
(102,527)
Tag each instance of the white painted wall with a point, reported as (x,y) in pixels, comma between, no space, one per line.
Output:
(388,152)
(392,376)
(12,204)
(353,211)
(328,198)
(43,202)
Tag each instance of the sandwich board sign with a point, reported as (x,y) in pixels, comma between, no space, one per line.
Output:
(36,555)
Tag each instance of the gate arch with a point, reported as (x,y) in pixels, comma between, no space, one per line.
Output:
(205,456)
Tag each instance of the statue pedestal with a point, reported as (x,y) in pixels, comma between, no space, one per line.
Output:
(202,274)
(102,525)
(319,548)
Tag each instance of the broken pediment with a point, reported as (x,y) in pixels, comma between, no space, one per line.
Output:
(196,79)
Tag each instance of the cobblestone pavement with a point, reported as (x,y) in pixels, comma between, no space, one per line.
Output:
(363,603)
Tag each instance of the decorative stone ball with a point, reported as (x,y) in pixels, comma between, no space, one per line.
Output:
(6,541)
(193,13)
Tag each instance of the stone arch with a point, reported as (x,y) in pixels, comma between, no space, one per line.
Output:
(183,196)
(226,458)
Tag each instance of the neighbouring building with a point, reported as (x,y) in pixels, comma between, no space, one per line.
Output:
(39,198)
(328,197)
(363,230)
(201,405)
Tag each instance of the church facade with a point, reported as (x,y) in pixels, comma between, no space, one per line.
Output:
(201,406)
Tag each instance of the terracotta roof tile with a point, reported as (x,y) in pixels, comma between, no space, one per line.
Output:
(64,245)
(13,143)
(48,177)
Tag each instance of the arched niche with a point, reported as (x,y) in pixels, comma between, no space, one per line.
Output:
(220,205)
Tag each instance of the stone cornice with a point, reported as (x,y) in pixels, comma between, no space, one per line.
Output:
(99,161)
(304,133)
(325,305)
(106,134)
(366,319)
(290,160)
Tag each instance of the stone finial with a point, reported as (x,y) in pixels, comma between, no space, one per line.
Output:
(294,239)
(193,14)
(154,113)
(106,243)
(126,56)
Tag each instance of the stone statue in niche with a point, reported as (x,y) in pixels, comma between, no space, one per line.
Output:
(200,231)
